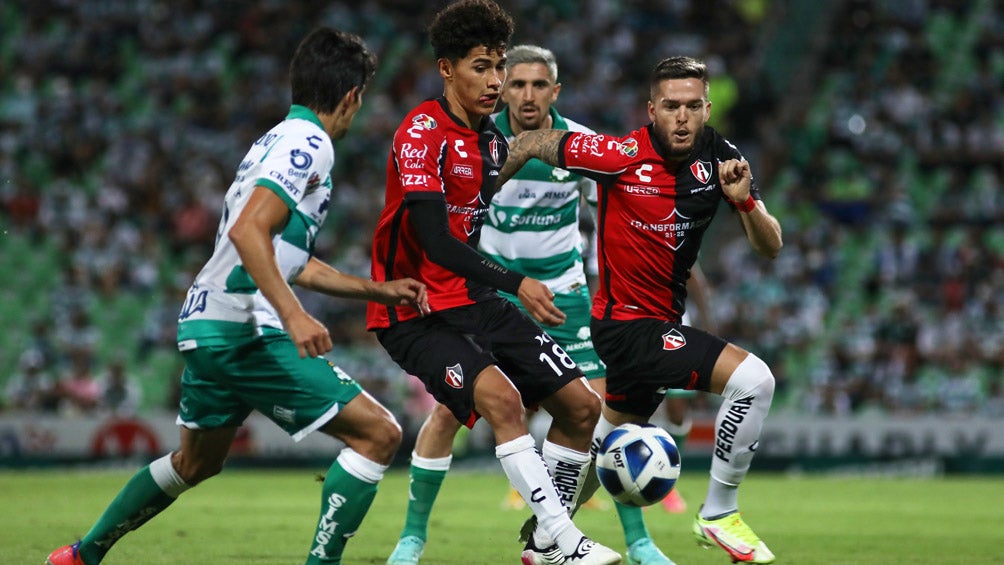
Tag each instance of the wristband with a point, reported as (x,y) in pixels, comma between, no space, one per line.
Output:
(746,207)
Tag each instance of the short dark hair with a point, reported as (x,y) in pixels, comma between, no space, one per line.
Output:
(678,67)
(327,64)
(466,24)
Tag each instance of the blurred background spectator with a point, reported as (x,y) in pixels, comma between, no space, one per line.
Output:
(875,129)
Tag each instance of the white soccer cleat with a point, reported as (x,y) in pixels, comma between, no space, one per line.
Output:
(533,555)
(589,552)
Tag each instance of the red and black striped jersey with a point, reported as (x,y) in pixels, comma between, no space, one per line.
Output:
(651,218)
(434,155)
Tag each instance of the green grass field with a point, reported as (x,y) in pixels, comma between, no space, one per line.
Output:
(259,517)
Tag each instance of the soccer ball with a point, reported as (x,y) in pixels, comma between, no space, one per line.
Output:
(638,464)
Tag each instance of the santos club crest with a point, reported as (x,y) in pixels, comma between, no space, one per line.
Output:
(701,171)
(673,340)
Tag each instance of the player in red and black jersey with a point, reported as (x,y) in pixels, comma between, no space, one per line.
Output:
(659,188)
(476,353)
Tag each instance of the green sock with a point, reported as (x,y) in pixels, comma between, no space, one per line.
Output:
(422,494)
(632,522)
(345,500)
(138,501)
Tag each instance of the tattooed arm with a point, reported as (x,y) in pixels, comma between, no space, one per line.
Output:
(543,144)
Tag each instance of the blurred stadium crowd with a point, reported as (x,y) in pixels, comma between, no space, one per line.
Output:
(875,129)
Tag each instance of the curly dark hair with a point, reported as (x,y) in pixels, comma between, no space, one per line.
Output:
(466,24)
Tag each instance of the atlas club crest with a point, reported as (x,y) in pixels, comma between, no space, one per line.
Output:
(701,171)
(455,376)
(673,340)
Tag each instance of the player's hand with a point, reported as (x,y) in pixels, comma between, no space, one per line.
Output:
(310,336)
(539,302)
(402,292)
(736,179)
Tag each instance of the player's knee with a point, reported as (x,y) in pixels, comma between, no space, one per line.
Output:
(442,421)
(584,411)
(752,377)
(194,471)
(503,407)
(384,438)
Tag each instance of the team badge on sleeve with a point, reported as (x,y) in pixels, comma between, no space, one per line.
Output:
(419,123)
(629,148)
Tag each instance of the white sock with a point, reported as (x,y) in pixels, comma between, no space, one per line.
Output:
(169,481)
(528,474)
(431,463)
(361,467)
(681,429)
(568,468)
(600,432)
(568,471)
(747,398)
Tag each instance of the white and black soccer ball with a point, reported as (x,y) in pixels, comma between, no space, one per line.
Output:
(638,464)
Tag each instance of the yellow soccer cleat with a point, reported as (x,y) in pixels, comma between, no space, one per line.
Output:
(732,534)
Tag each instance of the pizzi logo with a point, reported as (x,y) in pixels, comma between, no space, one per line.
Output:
(455,376)
(673,340)
(701,171)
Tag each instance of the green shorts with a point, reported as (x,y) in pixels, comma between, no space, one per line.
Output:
(222,384)
(574,336)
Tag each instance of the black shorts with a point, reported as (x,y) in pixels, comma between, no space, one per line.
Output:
(646,357)
(448,349)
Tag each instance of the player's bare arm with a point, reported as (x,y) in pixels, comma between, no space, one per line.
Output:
(543,144)
(322,277)
(762,229)
(264,215)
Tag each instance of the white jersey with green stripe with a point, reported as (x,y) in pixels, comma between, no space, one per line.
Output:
(532,225)
(293,160)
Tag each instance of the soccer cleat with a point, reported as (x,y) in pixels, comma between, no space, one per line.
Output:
(732,534)
(407,552)
(645,552)
(588,552)
(66,555)
(533,555)
(674,503)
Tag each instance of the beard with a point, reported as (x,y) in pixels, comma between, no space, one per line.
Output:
(675,151)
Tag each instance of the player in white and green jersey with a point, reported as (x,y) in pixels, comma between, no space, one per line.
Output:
(248,343)
(532,225)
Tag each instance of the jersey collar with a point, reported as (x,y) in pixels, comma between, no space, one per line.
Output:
(505,126)
(298,112)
